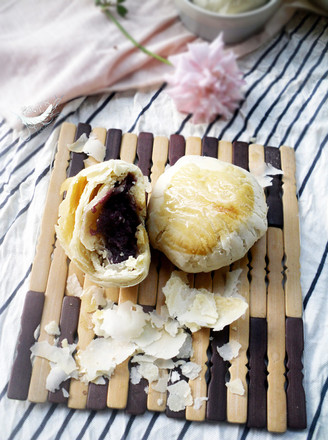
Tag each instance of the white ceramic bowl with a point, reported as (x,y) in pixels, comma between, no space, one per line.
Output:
(235,27)
(322,3)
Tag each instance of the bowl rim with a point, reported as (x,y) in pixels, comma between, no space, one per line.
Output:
(245,14)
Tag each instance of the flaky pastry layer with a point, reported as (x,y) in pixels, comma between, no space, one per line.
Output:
(78,229)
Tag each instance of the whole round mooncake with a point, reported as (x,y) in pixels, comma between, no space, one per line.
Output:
(204,213)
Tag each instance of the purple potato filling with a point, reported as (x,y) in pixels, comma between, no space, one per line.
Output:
(118,221)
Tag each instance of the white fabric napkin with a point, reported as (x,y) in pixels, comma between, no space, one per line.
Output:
(53,52)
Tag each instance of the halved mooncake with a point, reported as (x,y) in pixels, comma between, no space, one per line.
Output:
(101,224)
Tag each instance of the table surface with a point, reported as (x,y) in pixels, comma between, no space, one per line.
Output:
(286,104)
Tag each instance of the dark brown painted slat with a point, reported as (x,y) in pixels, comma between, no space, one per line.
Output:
(69,319)
(177,146)
(273,192)
(144,152)
(97,396)
(113,143)
(216,409)
(257,388)
(240,154)
(137,398)
(76,164)
(22,368)
(210,146)
(176,414)
(296,407)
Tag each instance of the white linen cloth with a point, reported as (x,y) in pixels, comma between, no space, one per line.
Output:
(57,51)
(286,103)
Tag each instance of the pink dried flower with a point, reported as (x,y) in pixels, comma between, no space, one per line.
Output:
(206,81)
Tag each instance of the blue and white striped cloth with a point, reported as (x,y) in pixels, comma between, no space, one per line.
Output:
(286,103)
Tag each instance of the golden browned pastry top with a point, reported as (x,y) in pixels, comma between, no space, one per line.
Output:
(204,213)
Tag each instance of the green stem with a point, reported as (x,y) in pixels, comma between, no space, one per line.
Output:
(138,45)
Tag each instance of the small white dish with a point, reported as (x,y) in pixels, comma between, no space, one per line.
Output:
(321,3)
(235,27)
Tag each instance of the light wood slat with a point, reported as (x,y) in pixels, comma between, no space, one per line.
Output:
(42,261)
(100,133)
(219,280)
(239,331)
(111,293)
(148,287)
(78,391)
(293,293)
(73,270)
(159,157)
(128,147)
(257,285)
(256,159)
(128,294)
(200,341)
(276,396)
(118,385)
(193,146)
(198,386)
(156,401)
(225,151)
(128,154)
(164,274)
(51,312)
(258,251)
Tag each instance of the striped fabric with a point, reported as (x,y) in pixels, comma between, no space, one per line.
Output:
(286,103)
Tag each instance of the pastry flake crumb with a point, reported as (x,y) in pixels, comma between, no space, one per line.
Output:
(135,376)
(161,384)
(198,402)
(191,370)
(52,328)
(65,393)
(91,146)
(264,173)
(62,363)
(175,376)
(236,387)
(101,357)
(36,333)
(179,396)
(197,308)
(230,350)
(73,286)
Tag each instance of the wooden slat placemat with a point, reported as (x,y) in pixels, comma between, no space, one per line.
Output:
(271,332)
